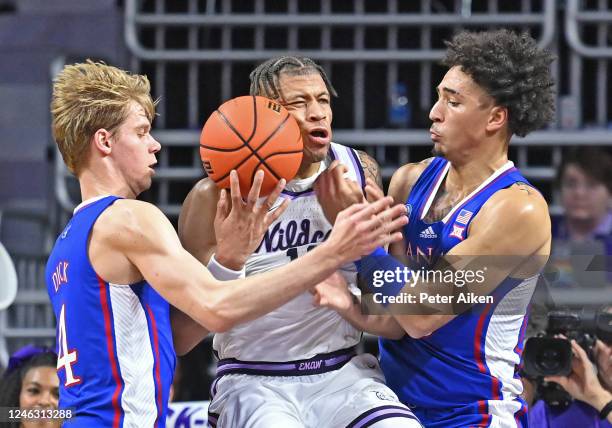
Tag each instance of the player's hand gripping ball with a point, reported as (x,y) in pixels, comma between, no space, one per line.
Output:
(247,134)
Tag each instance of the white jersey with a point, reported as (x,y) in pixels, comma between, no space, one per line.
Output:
(297,330)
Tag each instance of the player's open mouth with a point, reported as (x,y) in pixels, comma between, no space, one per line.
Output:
(319,135)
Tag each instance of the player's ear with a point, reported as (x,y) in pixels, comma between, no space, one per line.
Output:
(102,141)
(498,117)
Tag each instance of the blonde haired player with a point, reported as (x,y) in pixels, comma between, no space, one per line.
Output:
(118,263)
(296,366)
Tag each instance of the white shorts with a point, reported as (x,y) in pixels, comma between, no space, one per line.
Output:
(354,396)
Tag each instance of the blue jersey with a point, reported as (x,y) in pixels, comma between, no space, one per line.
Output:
(464,373)
(115,353)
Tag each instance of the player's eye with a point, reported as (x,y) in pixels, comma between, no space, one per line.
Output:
(453,103)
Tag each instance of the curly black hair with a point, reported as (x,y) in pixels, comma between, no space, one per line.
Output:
(512,69)
(10,384)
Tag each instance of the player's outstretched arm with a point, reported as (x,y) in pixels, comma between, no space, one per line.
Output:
(149,242)
(333,293)
(211,223)
(510,237)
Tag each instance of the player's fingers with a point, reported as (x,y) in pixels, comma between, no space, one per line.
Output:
(381,221)
(382,204)
(397,210)
(365,209)
(254,192)
(383,240)
(272,216)
(389,239)
(337,176)
(397,223)
(235,189)
(373,192)
(222,205)
(365,212)
(333,165)
(339,170)
(272,197)
(372,195)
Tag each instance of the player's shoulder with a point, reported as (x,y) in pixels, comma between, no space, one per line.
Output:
(204,190)
(126,217)
(518,204)
(405,177)
(411,172)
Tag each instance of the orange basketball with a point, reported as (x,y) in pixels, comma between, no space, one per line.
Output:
(247,134)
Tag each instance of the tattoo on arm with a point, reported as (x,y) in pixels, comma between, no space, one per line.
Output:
(370,167)
(524,188)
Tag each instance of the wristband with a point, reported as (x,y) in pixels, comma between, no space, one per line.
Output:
(222,273)
(379,270)
(606,410)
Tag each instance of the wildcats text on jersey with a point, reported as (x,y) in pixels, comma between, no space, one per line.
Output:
(288,234)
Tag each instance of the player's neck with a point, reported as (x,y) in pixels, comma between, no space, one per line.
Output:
(307,170)
(463,177)
(98,183)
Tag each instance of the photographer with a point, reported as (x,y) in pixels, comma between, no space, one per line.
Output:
(594,408)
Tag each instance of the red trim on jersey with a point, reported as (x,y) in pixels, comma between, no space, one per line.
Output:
(480,362)
(518,415)
(158,399)
(111,351)
(478,353)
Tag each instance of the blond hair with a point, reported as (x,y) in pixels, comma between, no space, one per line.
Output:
(90,96)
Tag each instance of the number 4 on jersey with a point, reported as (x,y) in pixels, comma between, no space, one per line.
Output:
(65,359)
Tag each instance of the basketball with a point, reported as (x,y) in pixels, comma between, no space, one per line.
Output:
(247,134)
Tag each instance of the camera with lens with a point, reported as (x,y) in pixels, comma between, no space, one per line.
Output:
(548,355)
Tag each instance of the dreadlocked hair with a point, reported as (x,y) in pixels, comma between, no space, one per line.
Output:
(264,78)
(512,69)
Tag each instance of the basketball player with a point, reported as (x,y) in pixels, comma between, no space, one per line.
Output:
(118,262)
(458,367)
(296,366)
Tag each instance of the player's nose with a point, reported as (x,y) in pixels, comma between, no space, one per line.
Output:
(155,145)
(316,112)
(434,114)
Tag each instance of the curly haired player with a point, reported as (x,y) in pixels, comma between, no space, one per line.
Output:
(455,363)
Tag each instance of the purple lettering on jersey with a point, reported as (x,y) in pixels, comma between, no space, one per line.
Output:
(310,365)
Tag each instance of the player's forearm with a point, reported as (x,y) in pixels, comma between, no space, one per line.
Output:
(379,325)
(242,300)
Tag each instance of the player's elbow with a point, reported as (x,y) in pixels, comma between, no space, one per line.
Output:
(222,325)
(219,318)
(217,321)
(419,326)
(393,334)
(417,332)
